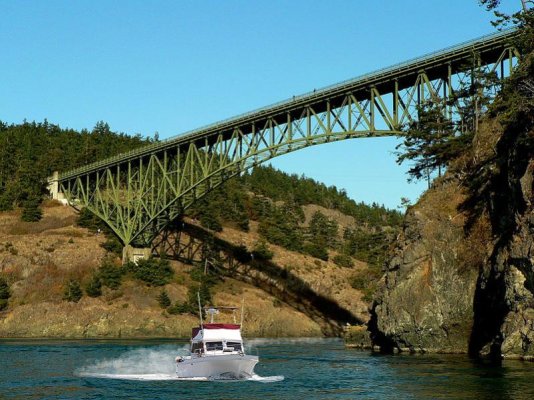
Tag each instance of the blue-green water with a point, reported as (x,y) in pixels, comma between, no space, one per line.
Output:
(288,369)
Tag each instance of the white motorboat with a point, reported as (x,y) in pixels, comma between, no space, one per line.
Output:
(217,351)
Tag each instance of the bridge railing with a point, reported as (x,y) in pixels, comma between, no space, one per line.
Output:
(316,94)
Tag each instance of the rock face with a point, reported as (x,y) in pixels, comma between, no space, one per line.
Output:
(426,303)
(463,281)
(504,301)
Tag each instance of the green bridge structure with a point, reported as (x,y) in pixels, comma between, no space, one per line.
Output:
(140,192)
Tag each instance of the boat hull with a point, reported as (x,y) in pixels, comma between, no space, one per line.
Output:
(232,366)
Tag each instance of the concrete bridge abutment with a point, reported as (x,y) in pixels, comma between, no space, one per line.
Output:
(134,254)
(53,189)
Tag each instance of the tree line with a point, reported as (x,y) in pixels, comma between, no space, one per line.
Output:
(31,151)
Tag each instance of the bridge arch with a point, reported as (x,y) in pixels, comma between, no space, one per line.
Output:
(139,192)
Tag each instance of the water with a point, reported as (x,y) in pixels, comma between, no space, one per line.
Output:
(288,369)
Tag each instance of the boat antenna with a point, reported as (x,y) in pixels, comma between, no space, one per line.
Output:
(242,311)
(200,310)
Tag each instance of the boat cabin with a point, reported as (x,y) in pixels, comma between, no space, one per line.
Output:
(213,339)
(216,338)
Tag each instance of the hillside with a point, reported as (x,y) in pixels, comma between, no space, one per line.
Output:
(312,284)
(40,258)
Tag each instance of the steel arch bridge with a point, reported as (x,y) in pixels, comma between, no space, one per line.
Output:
(139,192)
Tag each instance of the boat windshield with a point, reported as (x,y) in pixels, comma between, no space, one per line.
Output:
(211,346)
(197,347)
(236,346)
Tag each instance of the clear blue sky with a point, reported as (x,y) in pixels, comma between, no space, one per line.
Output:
(171,66)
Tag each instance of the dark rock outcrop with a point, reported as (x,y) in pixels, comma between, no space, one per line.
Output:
(504,301)
(462,276)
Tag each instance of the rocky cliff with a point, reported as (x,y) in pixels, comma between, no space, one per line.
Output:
(426,303)
(462,275)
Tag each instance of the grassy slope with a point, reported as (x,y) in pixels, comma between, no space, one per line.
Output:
(39,258)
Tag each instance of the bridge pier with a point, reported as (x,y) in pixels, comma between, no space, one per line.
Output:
(53,188)
(134,254)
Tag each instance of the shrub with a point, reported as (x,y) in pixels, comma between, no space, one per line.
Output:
(110,275)
(5,294)
(316,251)
(86,219)
(209,220)
(73,291)
(197,274)
(343,260)
(181,308)
(366,281)
(94,287)
(152,271)
(262,251)
(113,245)
(203,291)
(31,211)
(163,299)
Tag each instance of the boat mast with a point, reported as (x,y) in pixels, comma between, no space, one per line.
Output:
(242,312)
(200,311)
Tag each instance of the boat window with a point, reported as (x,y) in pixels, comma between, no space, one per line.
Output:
(236,345)
(197,348)
(210,346)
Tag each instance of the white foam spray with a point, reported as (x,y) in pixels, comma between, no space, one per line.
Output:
(149,364)
(138,364)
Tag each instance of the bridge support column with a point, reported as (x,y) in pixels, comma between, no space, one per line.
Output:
(53,185)
(53,188)
(135,254)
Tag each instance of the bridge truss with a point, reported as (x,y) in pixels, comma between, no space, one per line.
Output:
(138,193)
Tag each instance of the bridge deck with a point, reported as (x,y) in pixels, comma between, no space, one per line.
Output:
(488,47)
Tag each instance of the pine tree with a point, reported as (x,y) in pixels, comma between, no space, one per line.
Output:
(323,230)
(73,291)
(5,293)
(262,251)
(94,287)
(31,211)
(163,299)
(424,140)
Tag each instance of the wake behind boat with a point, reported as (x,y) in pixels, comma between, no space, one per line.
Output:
(217,351)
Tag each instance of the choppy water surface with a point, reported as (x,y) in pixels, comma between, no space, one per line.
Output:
(288,369)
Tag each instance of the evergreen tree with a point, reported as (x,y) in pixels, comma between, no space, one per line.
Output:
(31,211)
(425,140)
(94,287)
(73,291)
(5,293)
(262,251)
(163,299)
(323,230)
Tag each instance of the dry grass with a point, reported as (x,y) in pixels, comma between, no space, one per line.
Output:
(44,284)
(48,223)
(50,203)
(323,277)
(38,259)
